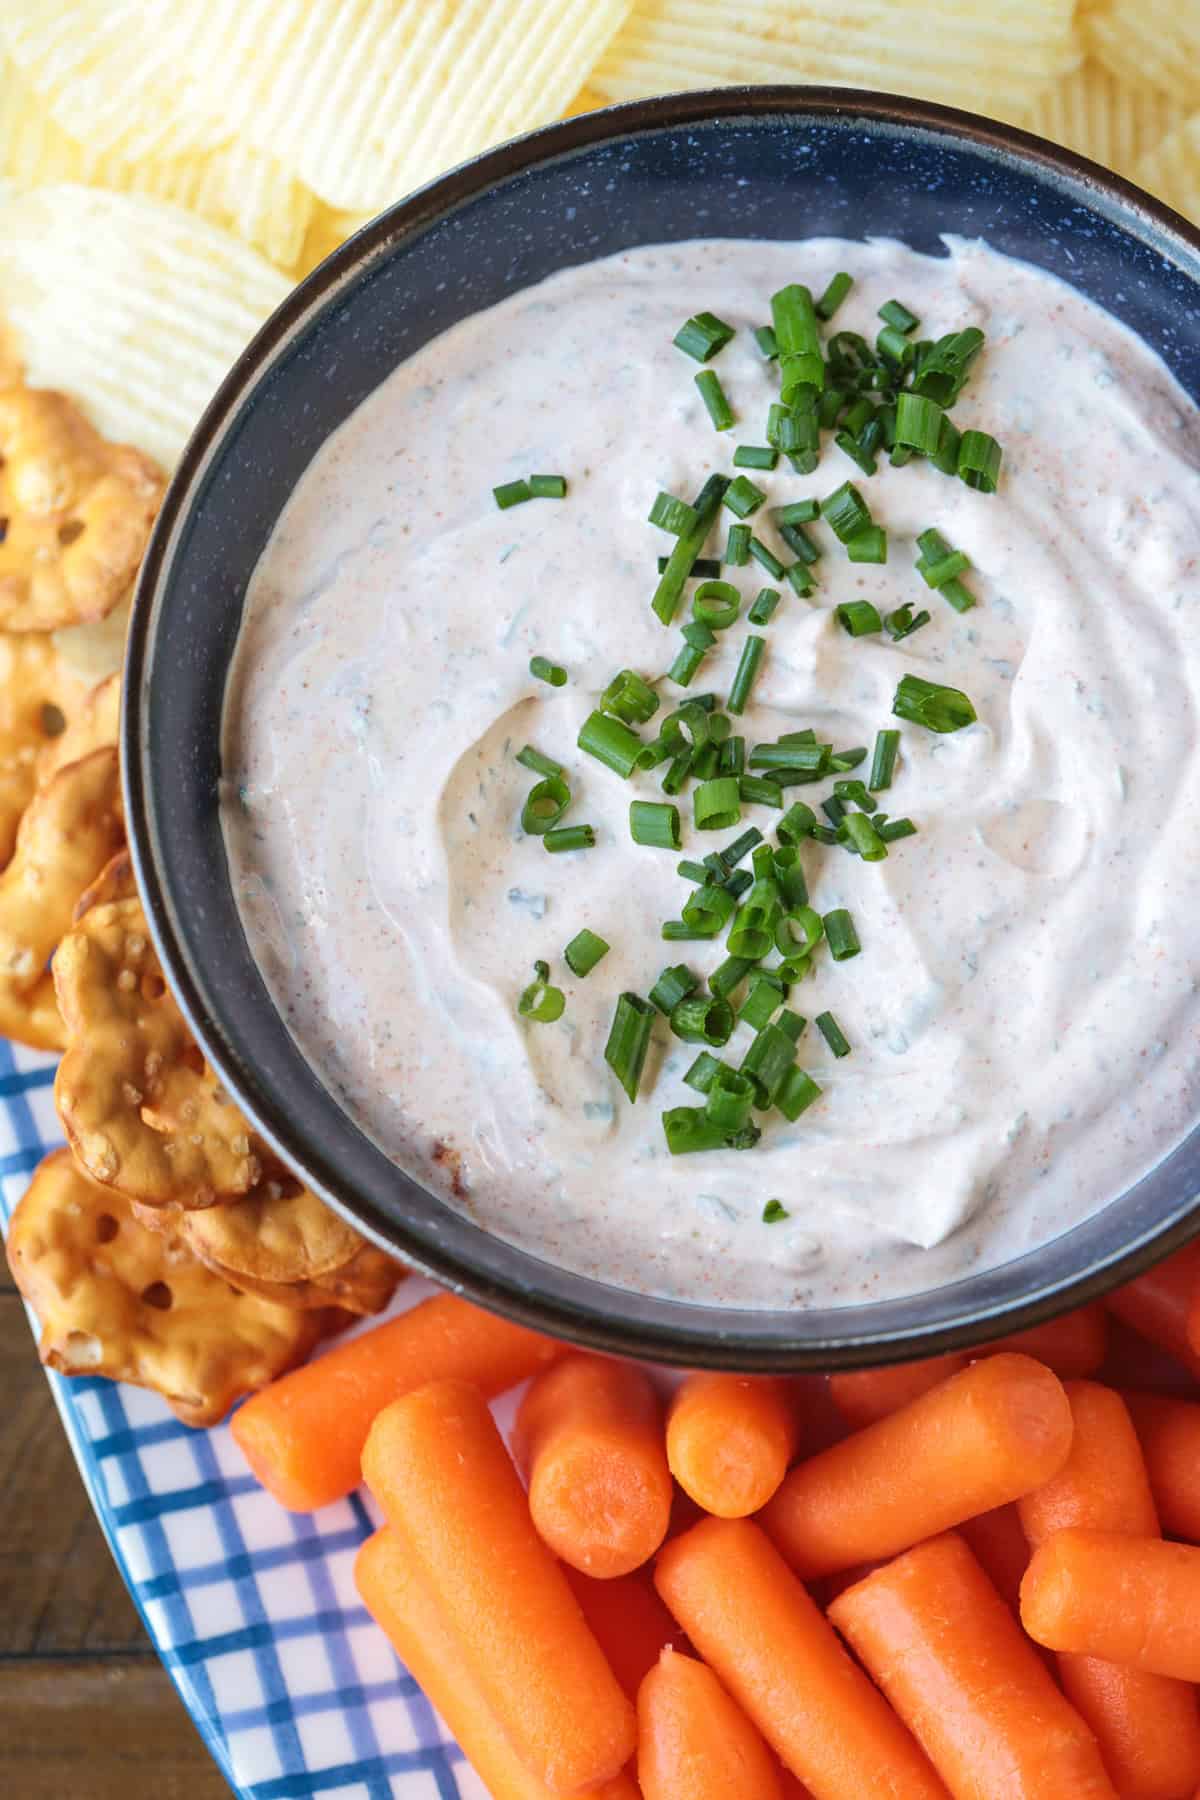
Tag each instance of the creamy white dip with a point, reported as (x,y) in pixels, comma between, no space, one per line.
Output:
(1024,1014)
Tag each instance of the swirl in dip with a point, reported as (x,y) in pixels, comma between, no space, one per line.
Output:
(1023,1016)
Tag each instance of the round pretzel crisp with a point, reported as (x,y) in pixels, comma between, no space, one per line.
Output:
(115,1299)
(93,725)
(69,832)
(279,1233)
(38,697)
(142,1110)
(77,513)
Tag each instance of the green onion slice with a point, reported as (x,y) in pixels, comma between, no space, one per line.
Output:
(569,837)
(682,558)
(674,984)
(584,951)
(796,824)
(544,670)
(548,487)
(703,1019)
(730,1097)
(833,1034)
(767,1062)
(545,805)
(762,608)
(839,286)
(737,546)
(745,673)
(979,457)
(702,336)
(859,618)
(654,823)
(846,512)
(611,742)
(541,765)
(742,497)
(716,404)
(673,515)
(717,804)
(755,456)
(629,1040)
(716,604)
(883,762)
(703,1071)
(511,493)
(840,935)
(764,337)
(937,708)
(796,1094)
(540,1001)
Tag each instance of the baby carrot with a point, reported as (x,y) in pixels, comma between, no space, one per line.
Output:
(864,1395)
(1147,1725)
(1157,1304)
(629,1622)
(438,1467)
(985,1436)
(694,1742)
(767,1643)
(588,1438)
(1074,1345)
(1130,1600)
(952,1660)
(1169,1433)
(730,1439)
(1000,1547)
(303,1436)
(403,1603)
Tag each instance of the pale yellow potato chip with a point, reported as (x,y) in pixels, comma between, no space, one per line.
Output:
(1172,170)
(367,99)
(964,52)
(108,75)
(585,101)
(1091,111)
(135,307)
(327,228)
(1153,43)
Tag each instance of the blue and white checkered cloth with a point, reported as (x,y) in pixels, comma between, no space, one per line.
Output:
(252,1609)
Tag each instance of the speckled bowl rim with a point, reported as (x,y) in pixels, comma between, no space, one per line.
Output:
(592,1313)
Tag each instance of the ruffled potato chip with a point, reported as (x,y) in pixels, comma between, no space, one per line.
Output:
(327,228)
(1172,169)
(1151,43)
(964,52)
(134,307)
(1093,112)
(115,1299)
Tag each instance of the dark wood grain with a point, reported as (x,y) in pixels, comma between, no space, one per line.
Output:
(85,1706)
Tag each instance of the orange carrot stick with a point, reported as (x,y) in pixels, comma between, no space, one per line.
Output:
(588,1439)
(403,1603)
(694,1742)
(952,1660)
(1147,1726)
(1074,1345)
(770,1648)
(1130,1600)
(864,1395)
(1156,1305)
(730,1439)
(986,1436)
(629,1622)
(1000,1547)
(1169,1433)
(438,1467)
(303,1436)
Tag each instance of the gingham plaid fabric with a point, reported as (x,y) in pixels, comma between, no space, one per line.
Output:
(252,1609)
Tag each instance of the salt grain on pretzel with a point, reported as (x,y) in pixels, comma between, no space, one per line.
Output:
(75,512)
(69,832)
(142,1111)
(115,1299)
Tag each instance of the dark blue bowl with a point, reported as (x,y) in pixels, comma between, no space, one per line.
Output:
(765,162)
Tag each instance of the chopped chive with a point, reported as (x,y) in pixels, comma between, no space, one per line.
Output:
(741,846)
(918,423)
(824,835)
(545,805)
(730,974)
(797,539)
(540,1001)
(716,604)
(682,931)
(629,698)
(688,1128)
(730,1097)
(511,493)
(893,313)
(569,837)
(681,765)
(717,804)
(753,928)
(763,862)
(709,909)
(683,670)
(702,568)
(797,823)
(611,742)
(692,871)
(738,882)
(629,1040)
(548,487)
(703,1071)
(897,828)
(744,675)
(830,407)
(979,457)
(584,951)
(702,336)
(941,709)
(795,1024)
(737,546)
(902,623)
(839,286)
(706,762)
(797,512)
(834,810)
(868,545)
(942,372)
(733,756)
(844,760)
(755,456)
(703,1019)
(833,1034)
(840,935)
(894,348)
(959,597)
(672,514)
(767,1062)
(945,457)
(762,608)
(811,928)
(680,562)
(674,984)
(544,670)
(796,1094)
(764,337)
(883,762)
(699,635)
(766,558)
(654,823)
(795,320)
(716,404)
(846,512)
(799,579)
(763,1001)
(774,1212)
(863,837)
(541,765)
(742,497)
(859,618)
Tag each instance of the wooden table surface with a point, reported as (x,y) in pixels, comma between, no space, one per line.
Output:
(86,1708)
